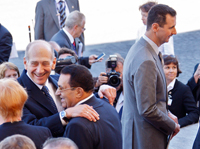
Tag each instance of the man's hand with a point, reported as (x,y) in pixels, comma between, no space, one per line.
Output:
(173,117)
(197,74)
(92,59)
(82,111)
(107,91)
(101,79)
(177,129)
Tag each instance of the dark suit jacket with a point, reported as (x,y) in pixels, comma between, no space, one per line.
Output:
(38,110)
(46,19)
(37,134)
(195,87)
(5,44)
(183,104)
(103,134)
(62,40)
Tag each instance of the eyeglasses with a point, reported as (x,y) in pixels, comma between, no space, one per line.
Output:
(60,89)
(83,29)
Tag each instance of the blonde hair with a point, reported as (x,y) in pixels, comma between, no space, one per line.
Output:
(5,66)
(12,99)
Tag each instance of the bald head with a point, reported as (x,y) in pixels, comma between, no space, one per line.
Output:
(38,44)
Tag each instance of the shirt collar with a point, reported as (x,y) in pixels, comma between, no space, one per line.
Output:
(84,100)
(39,86)
(171,85)
(153,45)
(71,38)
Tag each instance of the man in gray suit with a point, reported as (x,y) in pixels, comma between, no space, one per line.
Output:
(47,17)
(145,106)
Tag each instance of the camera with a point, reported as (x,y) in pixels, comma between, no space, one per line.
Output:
(113,76)
(62,62)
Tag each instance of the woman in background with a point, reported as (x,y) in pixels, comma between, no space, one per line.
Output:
(180,98)
(9,70)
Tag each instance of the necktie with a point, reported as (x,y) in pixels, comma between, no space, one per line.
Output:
(74,46)
(62,14)
(160,57)
(46,91)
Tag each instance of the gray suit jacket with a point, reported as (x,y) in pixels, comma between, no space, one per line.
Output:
(145,107)
(46,19)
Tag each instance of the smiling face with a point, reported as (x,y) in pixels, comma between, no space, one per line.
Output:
(170,72)
(164,33)
(66,92)
(39,63)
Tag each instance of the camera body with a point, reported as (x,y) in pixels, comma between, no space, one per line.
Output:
(62,62)
(113,76)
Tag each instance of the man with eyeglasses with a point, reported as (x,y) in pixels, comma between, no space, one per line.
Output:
(75,87)
(69,37)
(43,107)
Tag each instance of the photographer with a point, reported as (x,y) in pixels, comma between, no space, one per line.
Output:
(67,56)
(113,77)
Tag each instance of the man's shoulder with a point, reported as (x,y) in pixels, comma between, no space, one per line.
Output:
(42,2)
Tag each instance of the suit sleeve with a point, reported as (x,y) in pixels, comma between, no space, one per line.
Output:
(80,134)
(53,122)
(84,61)
(5,47)
(39,21)
(190,108)
(146,96)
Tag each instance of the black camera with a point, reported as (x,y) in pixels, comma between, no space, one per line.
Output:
(113,76)
(62,62)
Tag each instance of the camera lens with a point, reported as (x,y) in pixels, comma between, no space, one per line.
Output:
(114,80)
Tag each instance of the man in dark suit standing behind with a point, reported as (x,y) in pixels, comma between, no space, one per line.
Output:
(5,44)
(75,87)
(49,18)
(146,122)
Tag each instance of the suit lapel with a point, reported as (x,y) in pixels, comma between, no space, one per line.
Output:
(68,42)
(36,94)
(71,7)
(157,61)
(53,11)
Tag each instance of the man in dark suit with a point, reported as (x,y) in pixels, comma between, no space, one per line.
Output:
(47,17)
(11,112)
(5,44)
(76,88)
(69,36)
(43,107)
(146,122)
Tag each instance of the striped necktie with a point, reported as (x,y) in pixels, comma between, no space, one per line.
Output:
(62,14)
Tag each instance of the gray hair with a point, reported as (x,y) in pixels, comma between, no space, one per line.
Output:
(74,18)
(17,141)
(60,142)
